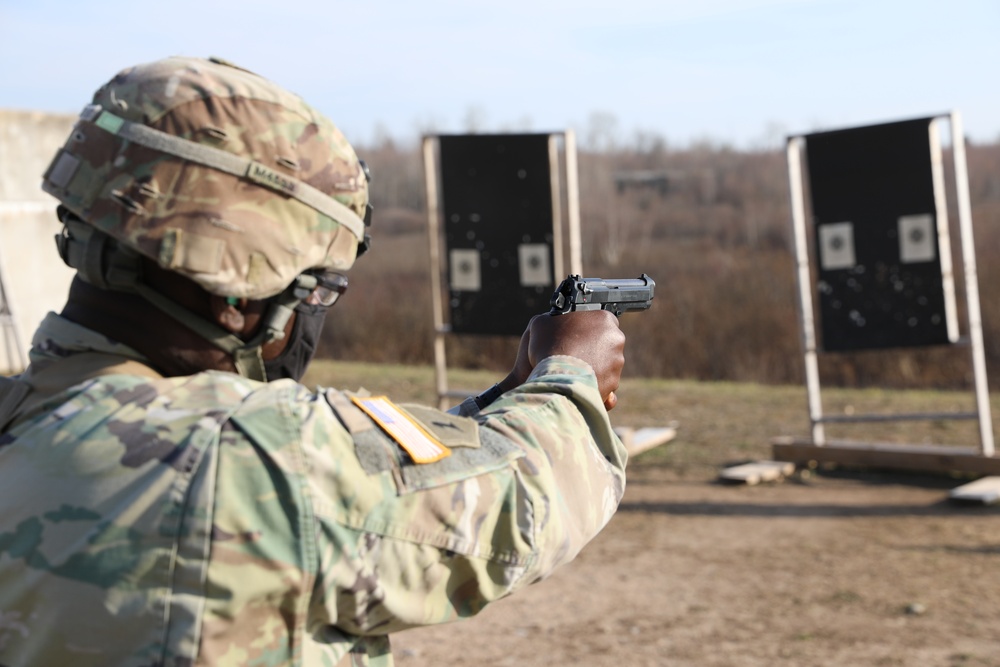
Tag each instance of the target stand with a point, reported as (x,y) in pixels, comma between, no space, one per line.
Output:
(884,277)
(499,199)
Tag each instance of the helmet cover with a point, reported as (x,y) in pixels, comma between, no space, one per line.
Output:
(216,173)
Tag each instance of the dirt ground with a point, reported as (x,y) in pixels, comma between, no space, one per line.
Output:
(829,569)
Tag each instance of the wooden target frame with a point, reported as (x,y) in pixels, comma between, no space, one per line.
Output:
(565,235)
(818,448)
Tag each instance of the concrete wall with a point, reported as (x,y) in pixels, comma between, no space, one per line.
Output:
(34,277)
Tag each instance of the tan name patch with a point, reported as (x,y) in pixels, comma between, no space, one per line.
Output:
(451,430)
(266,176)
(411,436)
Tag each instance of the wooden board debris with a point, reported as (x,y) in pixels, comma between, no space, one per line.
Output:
(985,490)
(757,472)
(638,440)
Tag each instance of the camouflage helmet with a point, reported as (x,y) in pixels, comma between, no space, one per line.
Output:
(216,173)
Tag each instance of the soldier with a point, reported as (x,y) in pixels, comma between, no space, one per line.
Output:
(173,496)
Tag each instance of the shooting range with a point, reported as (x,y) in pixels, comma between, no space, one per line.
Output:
(500,200)
(33,280)
(882,271)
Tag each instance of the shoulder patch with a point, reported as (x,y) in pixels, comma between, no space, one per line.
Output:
(473,450)
(375,450)
(451,430)
(404,429)
(495,452)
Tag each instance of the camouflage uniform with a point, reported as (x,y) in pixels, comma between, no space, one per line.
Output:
(216,519)
(213,519)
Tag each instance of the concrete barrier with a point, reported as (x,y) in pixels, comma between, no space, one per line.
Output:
(34,278)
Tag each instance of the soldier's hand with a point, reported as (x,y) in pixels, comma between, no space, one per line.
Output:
(593,336)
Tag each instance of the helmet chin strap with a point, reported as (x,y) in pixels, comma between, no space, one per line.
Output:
(102,262)
(247,355)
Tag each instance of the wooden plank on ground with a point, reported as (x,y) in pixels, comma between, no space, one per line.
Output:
(933,458)
(985,490)
(757,472)
(638,440)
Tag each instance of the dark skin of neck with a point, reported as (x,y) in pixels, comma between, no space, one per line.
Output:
(171,348)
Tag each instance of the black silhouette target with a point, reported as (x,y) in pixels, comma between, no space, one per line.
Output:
(875,221)
(497,208)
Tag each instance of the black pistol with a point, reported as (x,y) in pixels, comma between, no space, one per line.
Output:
(618,296)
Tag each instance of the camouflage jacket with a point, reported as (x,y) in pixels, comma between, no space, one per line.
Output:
(211,519)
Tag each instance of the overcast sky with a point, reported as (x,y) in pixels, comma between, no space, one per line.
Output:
(743,73)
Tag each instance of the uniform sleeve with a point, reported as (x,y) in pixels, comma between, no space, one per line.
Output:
(403,545)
